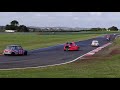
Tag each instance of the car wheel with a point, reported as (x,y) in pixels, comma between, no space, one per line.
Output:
(67,48)
(12,53)
(25,53)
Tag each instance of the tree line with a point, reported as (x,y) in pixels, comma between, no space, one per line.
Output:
(14,25)
(113,28)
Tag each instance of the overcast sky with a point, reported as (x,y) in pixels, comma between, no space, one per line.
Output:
(62,19)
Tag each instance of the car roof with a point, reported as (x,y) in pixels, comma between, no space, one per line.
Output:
(95,40)
(14,45)
(70,42)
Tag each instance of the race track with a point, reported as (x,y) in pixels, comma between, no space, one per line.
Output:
(49,56)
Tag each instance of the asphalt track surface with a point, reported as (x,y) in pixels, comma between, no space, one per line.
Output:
(50,55)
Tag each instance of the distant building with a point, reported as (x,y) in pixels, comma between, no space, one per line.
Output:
(9,30)
(107,30)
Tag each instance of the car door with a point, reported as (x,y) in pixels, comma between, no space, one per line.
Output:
(20,50)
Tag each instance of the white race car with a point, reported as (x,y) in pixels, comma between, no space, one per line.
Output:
(95,43)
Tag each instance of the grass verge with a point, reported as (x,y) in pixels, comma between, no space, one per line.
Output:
(34,41)
(103,64)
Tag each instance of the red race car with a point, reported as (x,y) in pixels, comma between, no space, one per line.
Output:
(71,47)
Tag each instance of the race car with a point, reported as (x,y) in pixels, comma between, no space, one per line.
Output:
(95,43)
(71,47)
(107,37)
(14,50)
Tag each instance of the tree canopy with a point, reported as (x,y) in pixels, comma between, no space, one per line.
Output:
(14,23)
(14,26)
(113,28)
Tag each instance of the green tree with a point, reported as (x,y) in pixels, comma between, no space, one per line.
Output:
(7,27)
(14,26)
(113,28)
(11,27)
(14,23)
(103,29)
(23,28)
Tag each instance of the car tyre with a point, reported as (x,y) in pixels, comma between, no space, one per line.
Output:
(25,53)
(12,53)
(5,54)
(67,48)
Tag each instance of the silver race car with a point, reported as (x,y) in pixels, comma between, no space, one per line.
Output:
(95,43)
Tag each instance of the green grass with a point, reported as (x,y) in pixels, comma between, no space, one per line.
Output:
(100,67)
(33,41)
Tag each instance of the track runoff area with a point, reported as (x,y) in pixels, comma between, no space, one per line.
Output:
(90,53)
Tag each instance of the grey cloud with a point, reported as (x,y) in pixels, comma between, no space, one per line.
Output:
(71,19)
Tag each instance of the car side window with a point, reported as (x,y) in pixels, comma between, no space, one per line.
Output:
(19,47)
(13,48)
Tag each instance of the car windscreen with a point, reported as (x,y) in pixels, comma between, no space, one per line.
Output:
(9,47)
(14,47)
(96,42)
(19,47)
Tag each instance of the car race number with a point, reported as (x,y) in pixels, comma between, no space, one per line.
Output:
(20,52)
